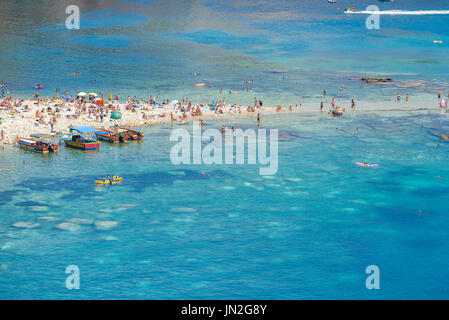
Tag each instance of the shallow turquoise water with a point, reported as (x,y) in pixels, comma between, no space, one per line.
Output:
(232,233)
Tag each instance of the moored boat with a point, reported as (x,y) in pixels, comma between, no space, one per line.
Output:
(36,145)
(131,134)
(110,136)
(82,138)
(350,10)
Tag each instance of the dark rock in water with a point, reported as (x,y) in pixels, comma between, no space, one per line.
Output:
(376,80)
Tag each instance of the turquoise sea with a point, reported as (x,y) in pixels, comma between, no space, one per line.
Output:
(233,234)
(224,231)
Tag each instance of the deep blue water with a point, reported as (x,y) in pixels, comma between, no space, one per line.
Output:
(232,233)
(154,47)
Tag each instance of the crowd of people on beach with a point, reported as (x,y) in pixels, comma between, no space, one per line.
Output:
(51,110)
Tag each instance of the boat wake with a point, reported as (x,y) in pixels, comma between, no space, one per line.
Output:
(401,12)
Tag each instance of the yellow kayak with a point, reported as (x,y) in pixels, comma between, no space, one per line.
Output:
(114,180)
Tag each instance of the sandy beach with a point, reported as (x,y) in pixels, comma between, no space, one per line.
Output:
(22,118)
(25,117)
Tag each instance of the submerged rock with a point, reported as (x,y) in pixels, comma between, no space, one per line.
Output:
(81,221)
(110,238)
(25,225)
(67,226)
(38,208)
(49,218)
(125,206)
(105,225)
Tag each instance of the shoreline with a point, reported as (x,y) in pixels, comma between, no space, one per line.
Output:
(19,122)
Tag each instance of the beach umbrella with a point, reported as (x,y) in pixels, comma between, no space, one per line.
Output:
(174,102)
(116,115)
(81,94)
(99,101)
(68,98)
(199,85)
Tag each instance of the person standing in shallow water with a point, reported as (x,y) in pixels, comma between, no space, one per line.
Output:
(321,106)
(324,92)
(352,104)
(258,119)
(398,98)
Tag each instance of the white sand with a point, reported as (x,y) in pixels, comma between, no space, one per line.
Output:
(17,122)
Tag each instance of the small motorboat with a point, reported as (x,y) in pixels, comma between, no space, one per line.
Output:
(82,138)
(110,136)
(350,10)
(40,146)
(131,134)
